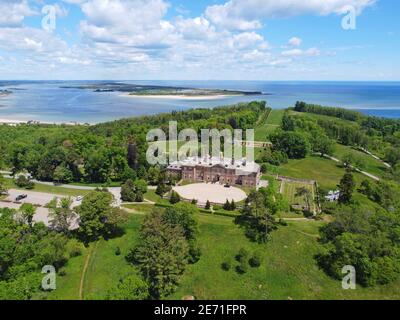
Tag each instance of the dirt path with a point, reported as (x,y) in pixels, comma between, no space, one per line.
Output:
(83,275)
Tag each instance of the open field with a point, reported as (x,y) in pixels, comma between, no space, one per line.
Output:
(372,165)
(326,172)
(273,122)
(288,267)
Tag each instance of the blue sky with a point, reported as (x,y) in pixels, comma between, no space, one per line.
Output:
(202,39)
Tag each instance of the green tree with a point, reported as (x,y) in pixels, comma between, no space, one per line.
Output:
(23,182)
(128,191)
(346,187)
(185,215)
(141,185)
(227,205)
(62,174)
(98,165)
(129,288)
(321,143)
(175,198)
(61,215)
(257,216)
(294,144)
(28,211)
(161,254)
(97,217)
(3,187)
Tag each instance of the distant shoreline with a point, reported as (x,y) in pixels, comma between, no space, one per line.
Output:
(181,97)
(16,122)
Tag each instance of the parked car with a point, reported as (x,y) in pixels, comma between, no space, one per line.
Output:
(79,198)
(21,197)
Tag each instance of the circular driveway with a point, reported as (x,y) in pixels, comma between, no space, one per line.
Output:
(214,193)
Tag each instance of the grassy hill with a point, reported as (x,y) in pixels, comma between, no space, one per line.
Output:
(288,269)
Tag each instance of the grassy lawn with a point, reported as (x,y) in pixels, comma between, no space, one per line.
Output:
(49,189)
(106,268)
(288,269)
(140,208)
(325,171)
(68,285)
(372,165)
(152,196)
(274,120)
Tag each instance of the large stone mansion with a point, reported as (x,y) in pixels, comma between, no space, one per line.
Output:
(217,170)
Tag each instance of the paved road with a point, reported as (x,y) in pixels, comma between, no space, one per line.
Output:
(116,191)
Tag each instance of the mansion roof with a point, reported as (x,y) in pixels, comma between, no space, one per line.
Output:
(242,167)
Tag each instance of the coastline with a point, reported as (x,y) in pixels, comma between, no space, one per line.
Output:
(14,122)
(181,97)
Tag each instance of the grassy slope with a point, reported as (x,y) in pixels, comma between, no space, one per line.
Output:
(274,120)
(325,171)
(288,268)
(372,165)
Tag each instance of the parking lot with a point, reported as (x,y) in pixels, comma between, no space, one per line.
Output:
(39,199)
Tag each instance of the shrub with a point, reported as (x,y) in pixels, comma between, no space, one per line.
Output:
(74,248)
(255,260)
(139,197)
(226,265)
(243,267)
(175,198)
(62,272)
(118,251)
(242,255)
(128,191)
(24,182)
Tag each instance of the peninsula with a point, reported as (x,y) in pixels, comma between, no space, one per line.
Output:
(152,91)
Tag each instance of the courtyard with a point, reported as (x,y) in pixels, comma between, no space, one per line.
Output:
(215,193)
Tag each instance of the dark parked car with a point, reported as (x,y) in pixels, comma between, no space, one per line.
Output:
(21,197)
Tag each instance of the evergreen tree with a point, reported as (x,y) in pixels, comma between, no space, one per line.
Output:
(161,254)
(175,198)
(227,205)
(346,187)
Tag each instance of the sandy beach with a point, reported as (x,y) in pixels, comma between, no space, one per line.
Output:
(180,97)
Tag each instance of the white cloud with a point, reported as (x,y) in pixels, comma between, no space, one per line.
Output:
(13,12)
(312,52)
(295,42)
(249,40)
(247,15)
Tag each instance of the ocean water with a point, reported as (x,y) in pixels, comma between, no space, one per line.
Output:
(45,101)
